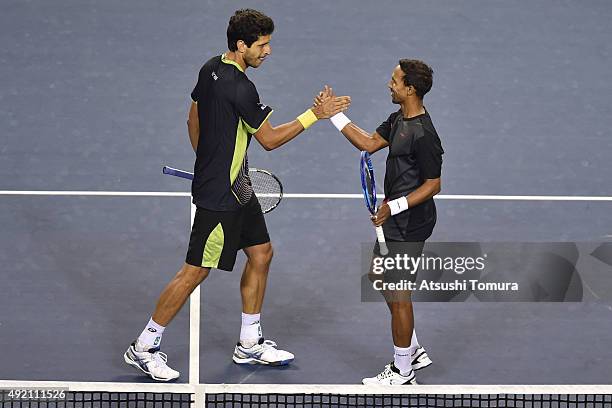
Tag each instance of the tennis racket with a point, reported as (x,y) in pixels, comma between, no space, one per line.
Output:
(267,186)
(369,194)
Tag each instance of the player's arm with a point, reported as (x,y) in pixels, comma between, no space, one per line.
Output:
(271,137)
(358,137)
(362,140)
(427,190)
(193,125)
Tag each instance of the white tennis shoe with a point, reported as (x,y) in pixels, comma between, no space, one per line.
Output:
(420,359)
(152,362)
(391,376)
(264,352)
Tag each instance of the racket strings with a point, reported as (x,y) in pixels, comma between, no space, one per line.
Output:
(267,189)
(369,189)
(242,185)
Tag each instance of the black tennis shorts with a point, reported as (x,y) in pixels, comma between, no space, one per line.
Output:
(217,236)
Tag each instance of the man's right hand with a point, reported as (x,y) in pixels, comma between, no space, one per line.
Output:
(326,104)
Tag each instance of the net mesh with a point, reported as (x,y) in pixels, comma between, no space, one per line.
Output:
(101,399)
(267,188)
(306,398)
(226,400)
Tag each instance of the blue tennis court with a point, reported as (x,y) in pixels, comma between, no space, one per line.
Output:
(94,102)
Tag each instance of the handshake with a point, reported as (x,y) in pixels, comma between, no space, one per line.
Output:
(326,104)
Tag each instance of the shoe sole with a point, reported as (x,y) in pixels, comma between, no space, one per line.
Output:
(239,360)
(134,364)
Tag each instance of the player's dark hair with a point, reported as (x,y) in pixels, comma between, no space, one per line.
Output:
(417,74)
(247,25)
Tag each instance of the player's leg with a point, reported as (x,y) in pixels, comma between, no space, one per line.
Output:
(210,246)
(252,291)
(255,276)
(402,325)
(252,348)
(400,371)
(144,353)
(420,358)
(255,241)
(175,294)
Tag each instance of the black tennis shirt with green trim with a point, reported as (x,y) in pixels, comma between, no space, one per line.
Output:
(229,112)
(415,154)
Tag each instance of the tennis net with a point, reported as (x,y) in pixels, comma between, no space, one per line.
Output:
(102,395)
(97,395)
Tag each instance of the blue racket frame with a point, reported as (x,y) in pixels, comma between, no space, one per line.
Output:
(366,162)
(178,173)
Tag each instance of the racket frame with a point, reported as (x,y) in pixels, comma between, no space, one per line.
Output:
(280,185)
(189,176)
(365,164)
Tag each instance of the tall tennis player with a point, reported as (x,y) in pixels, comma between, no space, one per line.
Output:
(225,113)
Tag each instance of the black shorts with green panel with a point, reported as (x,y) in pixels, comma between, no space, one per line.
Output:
(217,236)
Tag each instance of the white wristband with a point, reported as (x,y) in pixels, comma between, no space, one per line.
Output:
(398,205)
(340,121)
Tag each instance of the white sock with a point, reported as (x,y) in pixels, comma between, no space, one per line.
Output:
(402,359)
(151,335)
(413,341)
(250,331)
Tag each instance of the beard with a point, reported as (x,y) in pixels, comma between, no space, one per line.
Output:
(252,62)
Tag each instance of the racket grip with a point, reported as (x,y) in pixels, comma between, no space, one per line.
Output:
(381,241)
(178,173)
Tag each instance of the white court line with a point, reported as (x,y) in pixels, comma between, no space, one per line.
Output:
(194,326)
(467,197)
(303,195)
(98,193)
(194,333)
